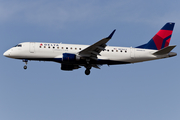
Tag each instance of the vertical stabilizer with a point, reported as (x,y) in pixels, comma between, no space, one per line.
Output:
(161,39)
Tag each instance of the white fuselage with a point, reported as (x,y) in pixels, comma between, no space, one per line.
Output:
(73,56)
(54,51)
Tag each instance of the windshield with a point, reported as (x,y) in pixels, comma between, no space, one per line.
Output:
(19,45)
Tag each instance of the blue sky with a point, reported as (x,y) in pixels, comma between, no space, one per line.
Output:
(141,91)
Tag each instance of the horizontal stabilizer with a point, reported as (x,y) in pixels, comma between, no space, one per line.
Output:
(165,50)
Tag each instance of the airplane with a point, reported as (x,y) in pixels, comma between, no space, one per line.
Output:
(74,56)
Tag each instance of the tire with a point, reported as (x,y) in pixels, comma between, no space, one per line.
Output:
(87,71)
(25,67)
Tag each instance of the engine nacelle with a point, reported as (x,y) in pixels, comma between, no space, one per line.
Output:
(70,57)
(69,67)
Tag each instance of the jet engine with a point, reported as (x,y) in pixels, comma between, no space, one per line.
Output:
(68,57)
(69,67)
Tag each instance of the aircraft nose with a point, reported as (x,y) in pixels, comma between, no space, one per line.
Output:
(7,53)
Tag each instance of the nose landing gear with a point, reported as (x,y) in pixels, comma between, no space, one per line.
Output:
(25,66)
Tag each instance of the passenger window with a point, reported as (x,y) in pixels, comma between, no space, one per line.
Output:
(79,48)
(71,48)
(75,48)
(116,50)
(44,46)
(49,47)
(66,47)
(53,47)
(112,50)
(57,47)
(62,47)
(108,50)
(39,46)
(125,51)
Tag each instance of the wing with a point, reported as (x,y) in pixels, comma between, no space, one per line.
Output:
(95,49)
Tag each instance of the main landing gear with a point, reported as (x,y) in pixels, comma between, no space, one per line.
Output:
(88,68)
(25,66)
(87,71)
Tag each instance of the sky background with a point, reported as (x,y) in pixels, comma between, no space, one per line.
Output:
(141,91)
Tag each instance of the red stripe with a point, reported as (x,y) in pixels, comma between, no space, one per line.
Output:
(167,42)
(158,38)
(164,33)
(158,41)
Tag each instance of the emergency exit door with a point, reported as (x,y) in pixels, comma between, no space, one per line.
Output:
(32,47)
(132,53)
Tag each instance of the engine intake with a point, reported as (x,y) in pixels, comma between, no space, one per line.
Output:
(70,57)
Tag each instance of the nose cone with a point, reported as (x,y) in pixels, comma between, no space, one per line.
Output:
(7,53)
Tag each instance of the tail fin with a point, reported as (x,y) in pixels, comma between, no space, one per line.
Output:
(161,39)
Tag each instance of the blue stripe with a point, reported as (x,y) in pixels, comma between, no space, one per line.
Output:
(164,41)
(168,26)
(150,45)
(141,46)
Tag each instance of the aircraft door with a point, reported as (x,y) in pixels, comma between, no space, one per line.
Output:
(31,47)
(132,53)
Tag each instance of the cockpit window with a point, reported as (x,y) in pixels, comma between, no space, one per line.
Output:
(19,45)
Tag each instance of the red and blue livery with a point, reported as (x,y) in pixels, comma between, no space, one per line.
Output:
(161,39)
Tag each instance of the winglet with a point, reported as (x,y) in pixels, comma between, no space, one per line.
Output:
(110,36)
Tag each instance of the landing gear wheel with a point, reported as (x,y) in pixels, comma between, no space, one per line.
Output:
(87,71)
(25,67)
(26,61)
